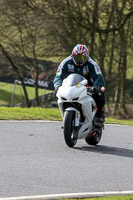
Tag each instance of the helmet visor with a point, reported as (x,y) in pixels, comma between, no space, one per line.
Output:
(80,59)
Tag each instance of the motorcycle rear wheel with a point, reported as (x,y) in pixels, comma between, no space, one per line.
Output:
(70,133)
(94,140)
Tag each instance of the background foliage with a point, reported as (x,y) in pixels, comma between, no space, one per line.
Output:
(49,29)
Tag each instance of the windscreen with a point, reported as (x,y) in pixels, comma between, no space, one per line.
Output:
(74,79)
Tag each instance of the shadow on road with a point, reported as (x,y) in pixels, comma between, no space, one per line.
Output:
(101,149)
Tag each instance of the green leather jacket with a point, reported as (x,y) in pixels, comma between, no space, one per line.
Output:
(90,70)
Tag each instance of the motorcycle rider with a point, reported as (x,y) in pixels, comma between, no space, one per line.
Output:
(81,63)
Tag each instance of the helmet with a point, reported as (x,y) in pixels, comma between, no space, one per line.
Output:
(80,54)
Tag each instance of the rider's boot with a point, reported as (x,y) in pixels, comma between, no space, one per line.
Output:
(100,116)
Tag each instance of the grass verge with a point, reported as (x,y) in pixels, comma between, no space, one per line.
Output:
(17,113)
(128,197)
(6,90)
(128,122)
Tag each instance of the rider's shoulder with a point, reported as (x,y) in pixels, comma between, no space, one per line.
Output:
(91,61)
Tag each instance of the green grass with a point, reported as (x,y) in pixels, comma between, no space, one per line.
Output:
(128,197)
(6,90)
(17,113)
(119,121)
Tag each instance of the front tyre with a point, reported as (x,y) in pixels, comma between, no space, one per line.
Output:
(70,133)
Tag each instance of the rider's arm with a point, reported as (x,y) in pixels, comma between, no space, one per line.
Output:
(60,74)
(96,75)
(57,79)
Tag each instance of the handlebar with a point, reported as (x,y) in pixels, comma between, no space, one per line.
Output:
(90,89)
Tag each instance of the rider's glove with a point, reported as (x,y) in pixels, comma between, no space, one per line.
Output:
(96,89)
(56,88)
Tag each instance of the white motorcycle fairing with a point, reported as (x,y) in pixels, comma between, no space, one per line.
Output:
(72,94)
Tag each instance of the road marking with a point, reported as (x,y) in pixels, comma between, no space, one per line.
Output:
(70,195)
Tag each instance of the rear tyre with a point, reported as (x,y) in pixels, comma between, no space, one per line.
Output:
(94,140)
(70,133)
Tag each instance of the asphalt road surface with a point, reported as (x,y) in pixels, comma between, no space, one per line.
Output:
(34,160)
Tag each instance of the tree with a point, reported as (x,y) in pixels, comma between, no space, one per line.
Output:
(22,35)
(50,29)
(17,72)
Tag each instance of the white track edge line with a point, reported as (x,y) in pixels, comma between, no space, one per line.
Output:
(69,195)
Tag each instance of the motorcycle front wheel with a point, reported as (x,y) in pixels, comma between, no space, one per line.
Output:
(70,133)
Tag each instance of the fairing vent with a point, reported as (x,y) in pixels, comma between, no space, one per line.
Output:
(63,98)
(75,99)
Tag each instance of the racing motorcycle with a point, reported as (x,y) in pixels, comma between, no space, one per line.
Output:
(78,110)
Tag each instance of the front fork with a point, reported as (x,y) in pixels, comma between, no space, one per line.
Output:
(77,116)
